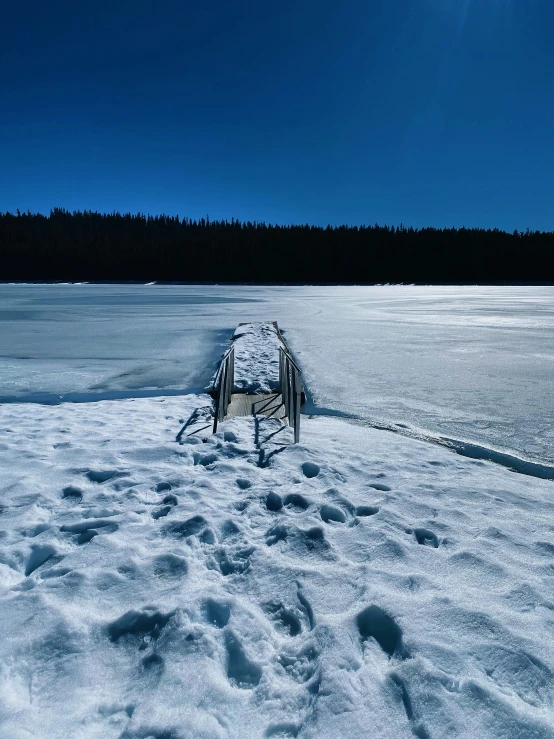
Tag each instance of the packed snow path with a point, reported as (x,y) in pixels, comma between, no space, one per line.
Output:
(257,358)
(356,585)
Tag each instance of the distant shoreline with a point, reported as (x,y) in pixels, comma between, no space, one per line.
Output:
(221,283)
(123,247)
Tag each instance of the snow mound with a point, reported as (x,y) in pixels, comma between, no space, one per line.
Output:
(358,583)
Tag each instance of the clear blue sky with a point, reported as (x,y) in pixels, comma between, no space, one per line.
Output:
(429,112)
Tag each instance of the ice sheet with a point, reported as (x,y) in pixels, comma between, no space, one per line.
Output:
(471,363)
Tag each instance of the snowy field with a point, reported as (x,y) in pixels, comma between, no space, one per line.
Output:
(359,584)
(475,364)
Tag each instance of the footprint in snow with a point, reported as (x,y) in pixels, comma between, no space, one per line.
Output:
(216,613)
(286,620)
(424,537)
(152,732)
(296,502)
(273,502)
(282,731)
(298,541)
(231,561)
(72,495)
(183,529)
(366,510)
(241,671)
(101,476)
(139,627)
(313,540)
(86,536)
(310,469)
(161,512)
(330,515)
(375,623)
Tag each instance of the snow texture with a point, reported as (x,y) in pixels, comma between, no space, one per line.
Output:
(359,584)
(256,357)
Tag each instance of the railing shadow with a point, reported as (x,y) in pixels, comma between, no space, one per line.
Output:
(264,407)
(264,458)
(195,416)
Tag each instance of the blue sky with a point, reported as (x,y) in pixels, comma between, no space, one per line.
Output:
(426,112)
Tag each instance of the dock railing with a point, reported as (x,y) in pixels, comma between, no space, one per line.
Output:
(224,383)
(290,382)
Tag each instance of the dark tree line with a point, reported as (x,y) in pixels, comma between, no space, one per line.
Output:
(116,247)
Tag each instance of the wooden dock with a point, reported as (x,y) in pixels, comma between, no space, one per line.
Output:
(236,397)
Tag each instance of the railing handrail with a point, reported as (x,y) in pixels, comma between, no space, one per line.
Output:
(290,380)
(224,383)
(285,350)
(223,358)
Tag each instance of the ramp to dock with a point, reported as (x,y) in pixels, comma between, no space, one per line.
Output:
(257,376)
(269,404)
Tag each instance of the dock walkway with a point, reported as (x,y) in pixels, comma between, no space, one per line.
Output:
(257,376)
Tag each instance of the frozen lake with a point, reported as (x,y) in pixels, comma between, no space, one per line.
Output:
(470,363)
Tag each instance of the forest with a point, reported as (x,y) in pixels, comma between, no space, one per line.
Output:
(91,246)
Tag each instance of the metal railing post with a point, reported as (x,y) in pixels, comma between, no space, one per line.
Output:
(297,407)
(285,383)
(222,391)
(290,383)
(218,398)
(227,386)
(292,393)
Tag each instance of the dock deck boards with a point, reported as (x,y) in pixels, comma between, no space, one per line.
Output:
(270,405)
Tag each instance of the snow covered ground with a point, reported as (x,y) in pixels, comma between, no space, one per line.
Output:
(357,584)
(470,363)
